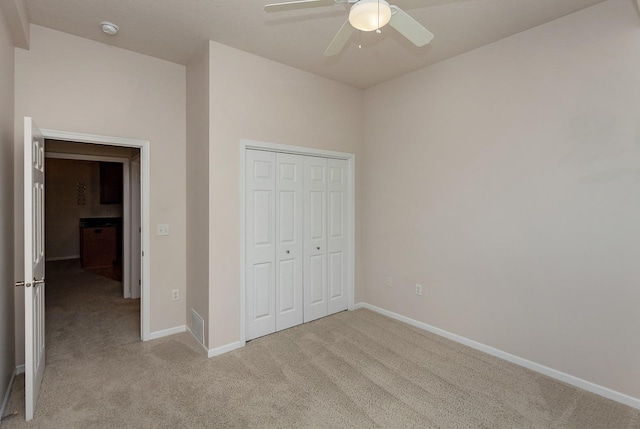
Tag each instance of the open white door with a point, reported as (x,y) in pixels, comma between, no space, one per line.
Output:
(33,263)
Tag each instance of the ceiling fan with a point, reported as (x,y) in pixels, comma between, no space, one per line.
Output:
(364,15)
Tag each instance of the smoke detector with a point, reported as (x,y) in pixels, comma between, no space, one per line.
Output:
(109,28)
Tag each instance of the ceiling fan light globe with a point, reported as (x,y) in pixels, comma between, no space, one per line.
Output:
(369,15)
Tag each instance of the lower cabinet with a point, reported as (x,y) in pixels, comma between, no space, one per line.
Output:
(297,261)
(98,246)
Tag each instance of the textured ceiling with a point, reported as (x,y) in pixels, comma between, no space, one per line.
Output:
(174,29)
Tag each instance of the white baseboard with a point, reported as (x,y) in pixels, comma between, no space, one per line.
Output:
(166,332)
(204,348)
(218,350)
(7,394)
(550,372)
(62,258)
(226,348)
(20,369)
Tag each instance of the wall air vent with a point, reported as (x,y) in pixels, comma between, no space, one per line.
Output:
(197,326)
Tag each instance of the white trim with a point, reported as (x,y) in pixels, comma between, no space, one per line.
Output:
(20,369)
(166,332)
(352,227)
(62,258)
(218,350)
(83,157)
(243,250)
(126,206)
(296,150)
(135,225)
(202,346)
(225,349)
(145,177)
(145,247)
(7,394)
(550,372)
(92,138)
(126,228)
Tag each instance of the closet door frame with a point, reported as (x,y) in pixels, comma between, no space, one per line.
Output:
(294,150)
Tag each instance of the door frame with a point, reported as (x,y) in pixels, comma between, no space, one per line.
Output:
(136,227)
(145,257)
(295,150)
(126,206)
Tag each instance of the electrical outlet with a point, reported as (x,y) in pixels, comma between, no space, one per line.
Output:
(175,294)
(418,289)
(389,283)
(162,229)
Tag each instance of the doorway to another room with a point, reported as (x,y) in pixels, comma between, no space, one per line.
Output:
(92,242)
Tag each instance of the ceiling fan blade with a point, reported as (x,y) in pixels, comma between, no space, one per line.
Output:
(300,4)
(340,40)
(410,28)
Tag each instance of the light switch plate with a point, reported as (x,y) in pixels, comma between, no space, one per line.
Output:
(163,229)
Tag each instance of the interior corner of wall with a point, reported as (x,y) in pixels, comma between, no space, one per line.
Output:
(17,19)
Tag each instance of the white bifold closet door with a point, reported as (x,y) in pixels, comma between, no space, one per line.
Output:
(315,238)
(325,237)
(260,276)
(289,206)
(337,240)
(296,240)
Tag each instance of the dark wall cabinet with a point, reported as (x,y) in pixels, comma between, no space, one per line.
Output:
(111,183)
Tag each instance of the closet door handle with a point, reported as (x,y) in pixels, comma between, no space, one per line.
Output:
(287,252)
(318,247)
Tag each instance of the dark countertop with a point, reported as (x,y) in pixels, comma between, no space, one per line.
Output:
(100,222)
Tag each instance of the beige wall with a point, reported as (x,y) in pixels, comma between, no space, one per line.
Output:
(72,84)
(506,181)
(258,99)
(62,211)
(198,187)
(7,354)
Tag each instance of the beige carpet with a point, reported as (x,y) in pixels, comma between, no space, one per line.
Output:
(351,370)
